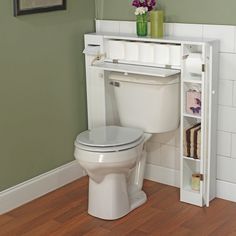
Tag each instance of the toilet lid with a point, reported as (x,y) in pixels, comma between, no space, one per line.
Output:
(109,136)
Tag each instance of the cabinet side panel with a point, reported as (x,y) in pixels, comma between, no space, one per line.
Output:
(214,111)
(95,86)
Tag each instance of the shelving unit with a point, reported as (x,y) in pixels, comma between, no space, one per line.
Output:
(205,82)
(135,69)
(167,56)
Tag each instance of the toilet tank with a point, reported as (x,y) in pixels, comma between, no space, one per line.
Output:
(147,102)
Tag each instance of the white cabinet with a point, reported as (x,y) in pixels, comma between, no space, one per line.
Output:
(198,122)
(197,62)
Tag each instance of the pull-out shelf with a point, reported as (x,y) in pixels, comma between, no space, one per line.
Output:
(136,69)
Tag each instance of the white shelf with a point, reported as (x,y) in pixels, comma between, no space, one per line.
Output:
(192,81)
(191,159)
(165,39)
(192,116)
(192,197)
(134,69)
(189,189)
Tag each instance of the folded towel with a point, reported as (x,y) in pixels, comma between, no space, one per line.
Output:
(189,143)
(193,144)
(197,143)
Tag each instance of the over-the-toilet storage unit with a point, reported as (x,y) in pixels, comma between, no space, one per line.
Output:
(196,60)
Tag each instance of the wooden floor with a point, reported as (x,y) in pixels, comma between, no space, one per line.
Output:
(64,212)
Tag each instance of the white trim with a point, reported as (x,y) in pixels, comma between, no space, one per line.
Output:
(98,25)
(226,190)
(162,175)
(38,186)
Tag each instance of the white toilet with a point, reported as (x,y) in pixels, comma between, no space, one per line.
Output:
(113,156)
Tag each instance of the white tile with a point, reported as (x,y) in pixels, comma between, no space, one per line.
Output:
(154,153)
(227,66)
(233,150)
(177,138)
(168,29)
(234,39)
(225,92)
(227,119)
(98,26)
(234,94)
(165,138)
(223,143)
(108,26)
(224,33)
(169,157)
(188,30)
(177,158)
(226,169)
(226,190)
(127,27)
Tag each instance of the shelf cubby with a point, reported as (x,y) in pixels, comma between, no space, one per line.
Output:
(189,168)
(192,99)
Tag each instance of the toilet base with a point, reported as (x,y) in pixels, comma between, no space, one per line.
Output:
(110,200)
(137,199)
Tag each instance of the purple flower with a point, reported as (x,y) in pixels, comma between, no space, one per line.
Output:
(150,4)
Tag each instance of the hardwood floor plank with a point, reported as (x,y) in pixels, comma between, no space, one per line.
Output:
(53,198)
(136,233)
(227,228)
(64,213)
(5,219)
(34,219)
(174,222)
(43,229)
(131,223)
(78,225)
(99,231)
(210,218)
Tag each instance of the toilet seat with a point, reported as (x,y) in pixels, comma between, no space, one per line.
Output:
(109,139)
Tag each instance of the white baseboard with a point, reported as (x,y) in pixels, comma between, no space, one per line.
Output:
(226,190)
(38,186)
(54,179)
(162,175)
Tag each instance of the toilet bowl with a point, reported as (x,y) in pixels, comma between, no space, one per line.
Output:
(112,157)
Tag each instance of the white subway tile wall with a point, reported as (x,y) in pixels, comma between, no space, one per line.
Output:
(234,94)
(187,30)
(169,158)
(227,119)
(226,92)
(127,27)
(222,32)
(224,143)
(109,26)
(226,169)
(164,148)
(233,146)
(227,66)
(154,153)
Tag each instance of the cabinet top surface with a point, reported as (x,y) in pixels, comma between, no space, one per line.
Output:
(165,39)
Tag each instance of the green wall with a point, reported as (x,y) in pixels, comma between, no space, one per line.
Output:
(42,88)
(184,11)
